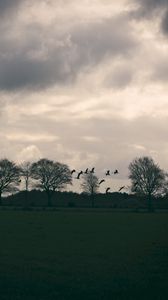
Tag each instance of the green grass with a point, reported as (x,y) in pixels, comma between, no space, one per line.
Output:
(83,255)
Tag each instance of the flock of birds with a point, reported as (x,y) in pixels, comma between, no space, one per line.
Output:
(107,173)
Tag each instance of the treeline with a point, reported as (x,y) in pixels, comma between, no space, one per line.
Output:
(148,182)
(44,174)
(36,198)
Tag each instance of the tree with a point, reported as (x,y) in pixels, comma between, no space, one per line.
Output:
(50,176)
(90,185)
(25,171)
(164,191)
(9,177)
(147,178)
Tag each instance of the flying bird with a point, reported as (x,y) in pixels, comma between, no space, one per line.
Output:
(73,171)
(121,188)
(86,171)
(79,174)
(92,170)
(107,172)
(116,172)
(101,181)
(107,190)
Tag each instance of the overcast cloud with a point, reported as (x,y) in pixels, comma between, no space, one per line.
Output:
(8,6)
(154,8)
(84,83)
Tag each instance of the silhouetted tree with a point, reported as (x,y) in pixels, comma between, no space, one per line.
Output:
(90,185)
(50,176)
(164,191)
(9,176)
(147,178)
(25,171)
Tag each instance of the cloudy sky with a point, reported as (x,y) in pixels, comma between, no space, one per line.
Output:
(84,82)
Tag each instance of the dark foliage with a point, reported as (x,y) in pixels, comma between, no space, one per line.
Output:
(9,176)
(117,200)
(147,178)
(50,176)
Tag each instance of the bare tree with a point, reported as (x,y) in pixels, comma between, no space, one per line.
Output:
(9,176)
(90,185)
(147,178)
(25,171)
(50,176)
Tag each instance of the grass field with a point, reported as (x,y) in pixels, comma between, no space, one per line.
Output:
(83,255)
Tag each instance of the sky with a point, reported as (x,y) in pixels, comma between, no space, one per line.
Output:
(84,83)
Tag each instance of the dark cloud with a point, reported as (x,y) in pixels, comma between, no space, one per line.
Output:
(7,6)
(22,72)
(153,8)
(164,22)
(149,7)
(46,58)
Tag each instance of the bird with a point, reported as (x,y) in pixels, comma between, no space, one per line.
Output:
(92,170)
(86,171)
(79,174)
(107,190)
(107,172)
(101,181)
(116,172)
(121,188)
(73,171)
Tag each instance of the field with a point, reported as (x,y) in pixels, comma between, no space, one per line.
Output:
(83,255)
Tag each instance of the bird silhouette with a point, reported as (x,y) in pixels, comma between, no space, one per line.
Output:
(121,188)
(107,172)
(116,172)
(107,190)
(79,174)
(73,171)
(86,171)
(101,181)
(92,170)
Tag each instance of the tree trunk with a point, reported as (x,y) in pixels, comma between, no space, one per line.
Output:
(0,198)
